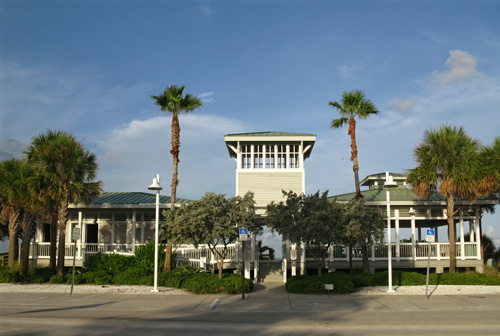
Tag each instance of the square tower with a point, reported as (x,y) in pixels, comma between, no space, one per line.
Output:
(269,162)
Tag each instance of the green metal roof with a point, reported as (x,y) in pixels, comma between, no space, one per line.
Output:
(133,198)
(269,133)
(381,177)
(401,193)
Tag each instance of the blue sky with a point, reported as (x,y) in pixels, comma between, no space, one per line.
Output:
(89,67)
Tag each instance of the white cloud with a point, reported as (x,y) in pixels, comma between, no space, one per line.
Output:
(461,65)
(206,97)
(348,71)
(135,152)
(402,106)
(205,10)
(10,148)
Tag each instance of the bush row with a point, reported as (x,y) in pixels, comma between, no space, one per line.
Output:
(347,282)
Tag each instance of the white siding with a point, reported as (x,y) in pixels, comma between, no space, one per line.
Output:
(268,186)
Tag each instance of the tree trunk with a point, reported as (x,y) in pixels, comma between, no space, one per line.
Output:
(176,130)
(13,227)
(61,251)
(451,231)
(354,155)
(350,256)
(53,244)
(27,229)
(366,265)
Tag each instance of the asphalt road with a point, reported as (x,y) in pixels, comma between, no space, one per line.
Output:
(271,311)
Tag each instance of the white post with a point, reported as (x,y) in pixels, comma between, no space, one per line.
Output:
(388,184)
(134,228)
(156,186)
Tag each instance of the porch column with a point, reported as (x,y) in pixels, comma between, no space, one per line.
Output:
(462,245)
(302,258)
(294,262)
(113,231)
(413,235)
(80,225)
(396,224)
(83,238)
(478,235)
(134,225)
(255,256)
(142,229)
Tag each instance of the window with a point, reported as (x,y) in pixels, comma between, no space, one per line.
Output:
(258,156)
(294,156)
(270,156)
(281,156)
(246,156)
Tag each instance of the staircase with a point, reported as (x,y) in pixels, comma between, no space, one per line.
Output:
(270,271)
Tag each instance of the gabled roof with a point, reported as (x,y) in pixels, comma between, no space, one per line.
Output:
(122,199)
(278,137)
(268,133)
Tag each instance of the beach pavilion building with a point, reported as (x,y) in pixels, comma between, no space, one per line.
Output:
(266,164)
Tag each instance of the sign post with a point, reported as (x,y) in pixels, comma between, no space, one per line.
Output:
(75,235)
(430,238)
(243,238)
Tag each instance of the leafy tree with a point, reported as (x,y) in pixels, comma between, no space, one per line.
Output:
(364,226)
(67,171)
(213,220)
(353,105)
(173,101)
(447,162)
(311,219)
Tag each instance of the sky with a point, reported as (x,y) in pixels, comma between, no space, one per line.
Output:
(90,67)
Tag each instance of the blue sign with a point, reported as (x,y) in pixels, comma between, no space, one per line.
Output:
(430,232)
(243,231)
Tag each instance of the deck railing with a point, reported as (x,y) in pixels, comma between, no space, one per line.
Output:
(202,256)
(407,251)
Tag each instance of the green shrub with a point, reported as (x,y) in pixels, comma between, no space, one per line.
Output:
(7,275)
(57,279)
(232,283)
(131,276)
(144,258)
(40,275)
(98,278)
(202,283)
(111,264)
(342,284)
(175,277)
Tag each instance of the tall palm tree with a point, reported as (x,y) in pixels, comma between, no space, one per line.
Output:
(68,171)
(447,162)
(173,101)
(11,189)
(353,105)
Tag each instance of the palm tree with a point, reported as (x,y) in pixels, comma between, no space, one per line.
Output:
(67,171)
(353,105)
(173,101)
(490,163)
(447,162)
(11,189)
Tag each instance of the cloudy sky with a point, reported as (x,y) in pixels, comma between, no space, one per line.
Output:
(89,67)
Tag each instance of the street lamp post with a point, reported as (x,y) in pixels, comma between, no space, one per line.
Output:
(156,186)
(389,183)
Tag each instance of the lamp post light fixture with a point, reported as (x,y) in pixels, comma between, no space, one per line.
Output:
(156,186)
(389,183)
